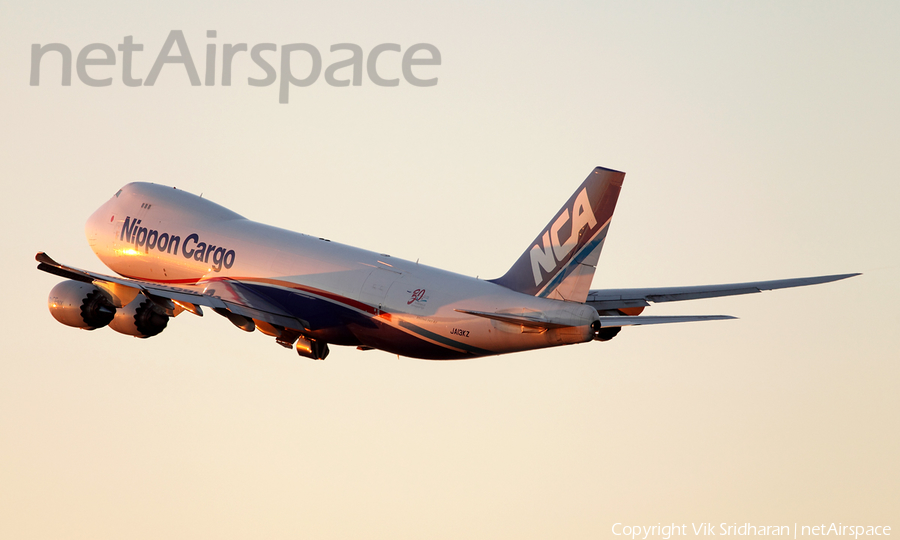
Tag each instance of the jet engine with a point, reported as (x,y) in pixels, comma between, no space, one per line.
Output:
(80,305)
(604,334)
(140,318)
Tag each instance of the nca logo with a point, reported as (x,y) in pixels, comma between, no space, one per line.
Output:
(554,248)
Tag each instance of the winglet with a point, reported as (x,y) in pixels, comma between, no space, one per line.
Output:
(42,257)
(47,264)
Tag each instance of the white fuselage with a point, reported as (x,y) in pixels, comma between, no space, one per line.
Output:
(350,296)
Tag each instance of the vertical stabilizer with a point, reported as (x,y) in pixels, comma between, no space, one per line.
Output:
(560,262)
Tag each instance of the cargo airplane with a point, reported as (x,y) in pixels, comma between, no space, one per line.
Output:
(176,252)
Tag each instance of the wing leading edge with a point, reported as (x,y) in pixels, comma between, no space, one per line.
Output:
(234,301)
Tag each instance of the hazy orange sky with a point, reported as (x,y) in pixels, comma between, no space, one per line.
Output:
(760,141)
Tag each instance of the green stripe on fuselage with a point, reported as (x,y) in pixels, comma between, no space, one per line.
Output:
(445,341)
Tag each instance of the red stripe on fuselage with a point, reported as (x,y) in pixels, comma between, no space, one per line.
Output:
(187,281)
(388,345)
(268,281)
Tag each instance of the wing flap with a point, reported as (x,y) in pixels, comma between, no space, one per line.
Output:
(270,317)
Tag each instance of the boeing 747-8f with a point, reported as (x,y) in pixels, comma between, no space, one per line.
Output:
(177,252)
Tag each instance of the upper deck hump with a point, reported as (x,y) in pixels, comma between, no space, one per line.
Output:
(178,201)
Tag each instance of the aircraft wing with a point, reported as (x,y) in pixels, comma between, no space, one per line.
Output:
(232,300)
(605,299)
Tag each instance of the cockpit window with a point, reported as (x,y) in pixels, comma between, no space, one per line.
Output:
(118,193)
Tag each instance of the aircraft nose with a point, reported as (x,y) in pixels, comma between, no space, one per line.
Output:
(100,221)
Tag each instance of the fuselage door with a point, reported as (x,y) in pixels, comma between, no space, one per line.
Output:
(377,285)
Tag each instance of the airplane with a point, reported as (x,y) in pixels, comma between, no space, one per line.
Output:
(174,252)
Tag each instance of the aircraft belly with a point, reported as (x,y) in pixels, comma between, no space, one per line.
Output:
(402,341)
(319,312)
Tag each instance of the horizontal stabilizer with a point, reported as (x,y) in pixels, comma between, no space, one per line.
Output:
(639,320)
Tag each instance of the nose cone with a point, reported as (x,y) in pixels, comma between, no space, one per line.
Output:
(99,228)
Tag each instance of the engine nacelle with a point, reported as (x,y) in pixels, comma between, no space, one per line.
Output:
(80,305)
(604,334)
(140,318)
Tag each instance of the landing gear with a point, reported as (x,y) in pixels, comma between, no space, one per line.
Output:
(288,337)
(310,348)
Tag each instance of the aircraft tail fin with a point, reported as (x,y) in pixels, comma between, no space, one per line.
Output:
(560,262)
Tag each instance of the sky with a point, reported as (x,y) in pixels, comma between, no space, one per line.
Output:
(759,141)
